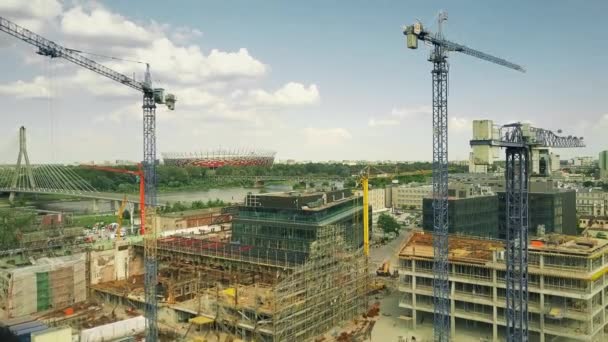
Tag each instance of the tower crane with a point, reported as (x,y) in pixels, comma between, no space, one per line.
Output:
(151,97)
(518,139)
(438,56)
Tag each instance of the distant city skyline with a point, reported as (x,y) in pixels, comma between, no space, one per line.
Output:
(312,80)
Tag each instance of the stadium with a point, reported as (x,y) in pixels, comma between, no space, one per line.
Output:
(221,157)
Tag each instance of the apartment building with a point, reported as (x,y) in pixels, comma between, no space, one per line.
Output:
(410,197)
(592,203)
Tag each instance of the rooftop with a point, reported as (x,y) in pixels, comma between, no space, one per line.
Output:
(193,212)
(308,201)
(478,250)
(471,250)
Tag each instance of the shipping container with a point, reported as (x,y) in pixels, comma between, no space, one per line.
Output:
(116,330)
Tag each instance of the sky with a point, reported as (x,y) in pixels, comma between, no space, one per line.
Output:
(311,80)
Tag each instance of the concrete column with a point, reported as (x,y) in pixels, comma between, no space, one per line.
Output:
(603,301)
(494,306)
(453,312)
(414,316)
(541,262)
(542,311)
(95,206)
(114,205)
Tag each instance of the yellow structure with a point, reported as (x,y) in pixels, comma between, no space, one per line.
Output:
(121,211)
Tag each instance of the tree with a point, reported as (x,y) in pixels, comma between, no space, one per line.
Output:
(587,184)
(12,223)
(388,224)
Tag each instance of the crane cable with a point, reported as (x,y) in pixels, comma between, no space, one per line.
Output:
(104,56)
(50,90)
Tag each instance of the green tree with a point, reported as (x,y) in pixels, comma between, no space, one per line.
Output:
(198,205)
(178,206)
(587,184)
(388,224)
(12,223)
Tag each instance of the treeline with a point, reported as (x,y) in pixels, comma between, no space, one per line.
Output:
(181,206)
(173,177)
(169,177)
(321,169)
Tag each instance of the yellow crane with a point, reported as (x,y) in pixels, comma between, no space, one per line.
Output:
(363,178)
(121,211)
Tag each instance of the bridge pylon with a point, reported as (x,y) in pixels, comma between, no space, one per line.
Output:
(23,168)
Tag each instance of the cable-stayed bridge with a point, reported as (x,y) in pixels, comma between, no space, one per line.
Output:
(25,177)
(51,179)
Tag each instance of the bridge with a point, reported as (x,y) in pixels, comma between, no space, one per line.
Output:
(25,177)
(56,179)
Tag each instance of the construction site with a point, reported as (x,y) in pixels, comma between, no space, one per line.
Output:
(286,265)
(213,286)
(568,286)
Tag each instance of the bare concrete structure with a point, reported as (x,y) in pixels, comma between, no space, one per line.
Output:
(568,286)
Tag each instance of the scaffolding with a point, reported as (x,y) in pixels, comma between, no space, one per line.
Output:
(254,294)
(328,289)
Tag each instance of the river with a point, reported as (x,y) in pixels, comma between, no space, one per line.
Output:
(229,195)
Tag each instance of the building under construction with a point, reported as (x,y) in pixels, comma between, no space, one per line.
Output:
(293,284)
(568,286)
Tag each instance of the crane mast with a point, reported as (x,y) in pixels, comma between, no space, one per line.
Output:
(442,325)
(518,139)
(151,97)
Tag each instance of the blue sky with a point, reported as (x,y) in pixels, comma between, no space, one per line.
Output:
(356,91)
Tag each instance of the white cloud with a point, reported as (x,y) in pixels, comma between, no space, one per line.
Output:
(398,114)
(192,96)
(30,8)
(184,35)
(164,47)
(36,89)
(100,24)
(382,122)
(459,124)
(31,14)
(326,136)
(290,94)
(408,112)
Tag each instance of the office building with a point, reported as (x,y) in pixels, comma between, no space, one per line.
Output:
(568,287)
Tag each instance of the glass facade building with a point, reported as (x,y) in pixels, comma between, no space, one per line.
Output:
(475,216)
(289,221)
(548,212)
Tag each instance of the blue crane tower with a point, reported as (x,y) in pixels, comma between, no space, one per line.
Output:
(518,139)
(151,97)
(438,56)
